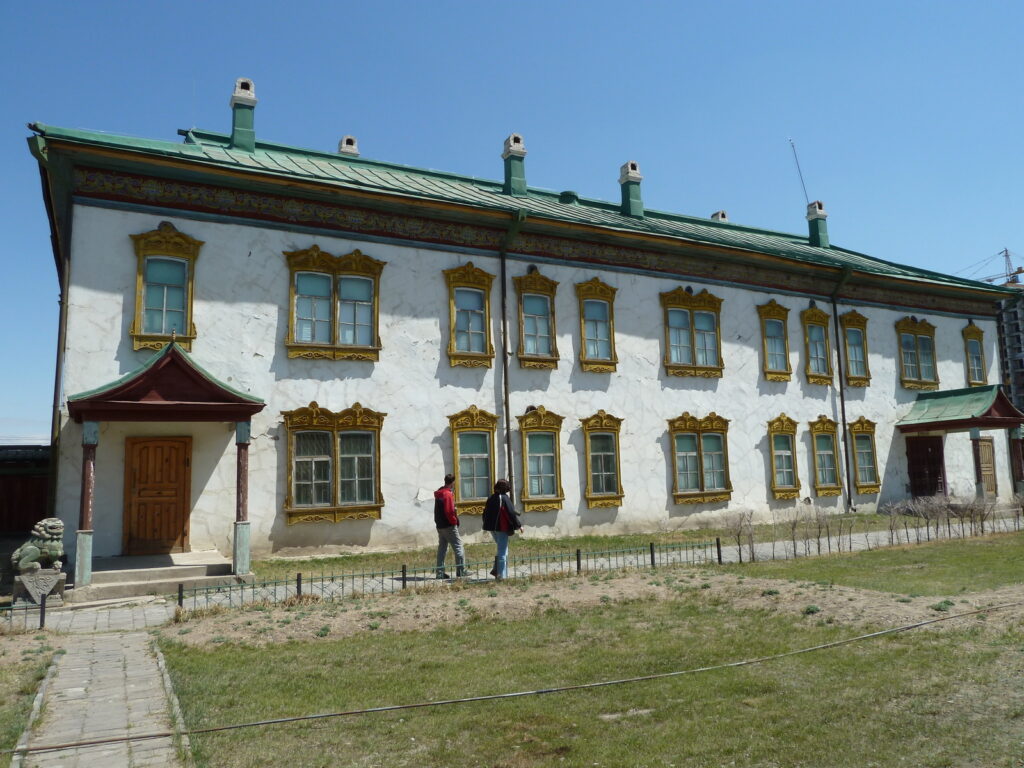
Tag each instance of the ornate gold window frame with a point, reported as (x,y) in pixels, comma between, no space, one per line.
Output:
(702,302)
(165,241)
(354,264)
(314,418)
(783,425)
(469,276)
(774,311)
(595,289)
(917,329)
(857,428)
(813,316)
(710,424)
(971,332)
(854,319)
(825,426)
(541,420)
(472,419)
(534,283)
(599,424)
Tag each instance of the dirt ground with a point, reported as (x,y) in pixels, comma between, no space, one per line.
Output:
(447,604)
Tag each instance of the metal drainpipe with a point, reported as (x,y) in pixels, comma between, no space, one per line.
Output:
(518,217)
(842,386)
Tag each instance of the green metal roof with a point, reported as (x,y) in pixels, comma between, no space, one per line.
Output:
(356,173)
(951,405)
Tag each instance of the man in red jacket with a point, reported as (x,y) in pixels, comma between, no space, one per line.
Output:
(447,522)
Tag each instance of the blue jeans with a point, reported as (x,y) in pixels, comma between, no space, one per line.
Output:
(446,536)
(501,557)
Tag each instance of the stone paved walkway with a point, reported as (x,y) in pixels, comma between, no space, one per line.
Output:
(104,686)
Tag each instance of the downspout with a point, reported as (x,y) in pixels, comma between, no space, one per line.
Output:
(518,217)
(842,385)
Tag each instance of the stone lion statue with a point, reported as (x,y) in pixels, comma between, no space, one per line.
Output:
(45,549)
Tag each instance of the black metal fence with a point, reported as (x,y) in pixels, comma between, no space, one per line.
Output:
(334,585)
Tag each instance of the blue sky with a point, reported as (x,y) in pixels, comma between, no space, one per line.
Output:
(907,115)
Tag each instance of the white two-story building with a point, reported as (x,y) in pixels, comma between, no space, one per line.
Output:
(270,349)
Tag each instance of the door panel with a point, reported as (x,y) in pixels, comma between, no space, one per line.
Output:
(926,466)
(985,464)
(157,494)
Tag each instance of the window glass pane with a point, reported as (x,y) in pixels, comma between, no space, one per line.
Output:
(775,337)
(825,459)
(713,455)
(541,442)
(595,310)
(855,352)
(908,347)
(312,443)
(706,338)
(166,271)
(602,443)
(927,356)
(356,289)
(704,321)
(817,349)
(865,457)
(680,343)
(310,284)
(472,443)
(678,318)
(466,298)
(535,305)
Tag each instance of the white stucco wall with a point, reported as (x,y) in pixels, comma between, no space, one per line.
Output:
(241,316)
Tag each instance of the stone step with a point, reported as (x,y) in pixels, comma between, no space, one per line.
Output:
(165,573)
(109,590)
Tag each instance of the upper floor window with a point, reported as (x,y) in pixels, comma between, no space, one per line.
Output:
(917,354)
(537,333)
(597,326)
(855,339)
(163,288)
(775,341)
(693,344)
(817,349)
(333,464)
(473,443)
(604,478)
(826,466)
(469,316)
(782,443)
(542,460)
(865,463)
(700,458)
(974,355)
(334,305)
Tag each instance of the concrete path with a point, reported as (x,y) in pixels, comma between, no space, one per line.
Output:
(105,686)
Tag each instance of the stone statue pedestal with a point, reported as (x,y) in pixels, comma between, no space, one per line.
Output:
(30,587)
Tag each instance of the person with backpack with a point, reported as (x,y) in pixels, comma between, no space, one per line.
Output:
(501,520)
(447,522)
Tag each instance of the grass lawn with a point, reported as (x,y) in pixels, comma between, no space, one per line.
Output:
(22,668)
(282,569)
(924,698)
(936,568)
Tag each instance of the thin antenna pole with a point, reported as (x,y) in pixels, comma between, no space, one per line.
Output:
(799,172)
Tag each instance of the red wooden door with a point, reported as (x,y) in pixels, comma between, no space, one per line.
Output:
(157,479)
(926,466)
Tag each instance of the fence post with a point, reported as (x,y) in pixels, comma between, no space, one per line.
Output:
(718,548)
(405,574)
(579,561)
(653,564)
(298,584)
(181,595)
(42,611)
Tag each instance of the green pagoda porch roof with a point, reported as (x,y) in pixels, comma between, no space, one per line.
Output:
(958,410)
(171,386)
